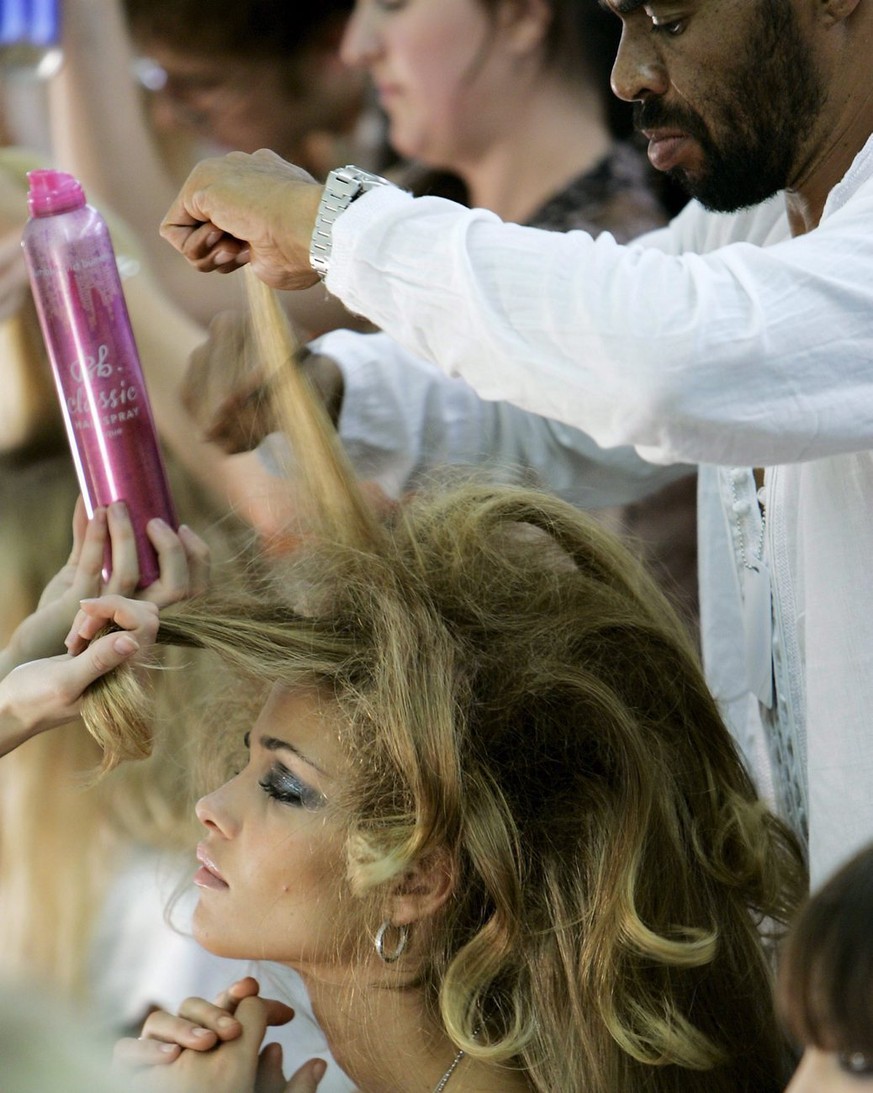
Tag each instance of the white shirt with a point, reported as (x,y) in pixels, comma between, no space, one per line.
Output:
(716,340)
(402,419)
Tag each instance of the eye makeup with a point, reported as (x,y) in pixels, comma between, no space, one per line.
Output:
(283,785)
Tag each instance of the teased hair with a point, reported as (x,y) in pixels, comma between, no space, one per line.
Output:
(508,691)
(512,689)
(826,976)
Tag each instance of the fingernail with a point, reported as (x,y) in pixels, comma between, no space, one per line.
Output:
(89,599)
(222,257)
(319,1069)
(227,1022)
(213,238)
(157,522)
(169,1047)
(202,1032)
(125,644)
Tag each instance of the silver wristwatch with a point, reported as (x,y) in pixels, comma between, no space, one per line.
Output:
(343,186)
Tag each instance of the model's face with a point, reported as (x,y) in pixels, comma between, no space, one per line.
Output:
(831,1072)
(441,72)
(273,877)
(727,91)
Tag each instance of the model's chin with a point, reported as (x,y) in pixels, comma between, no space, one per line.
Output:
(207,933)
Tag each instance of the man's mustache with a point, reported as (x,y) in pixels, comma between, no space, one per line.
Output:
(654,114)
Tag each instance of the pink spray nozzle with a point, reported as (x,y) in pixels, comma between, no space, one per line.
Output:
(53,192)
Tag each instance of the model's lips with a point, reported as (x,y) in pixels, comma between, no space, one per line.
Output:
(208,875)
(666,147)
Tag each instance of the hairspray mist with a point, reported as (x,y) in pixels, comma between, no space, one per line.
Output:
(84,320)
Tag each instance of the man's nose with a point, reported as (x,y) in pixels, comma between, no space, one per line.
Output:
(639,71)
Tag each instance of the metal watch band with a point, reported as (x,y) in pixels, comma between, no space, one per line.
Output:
(343,186)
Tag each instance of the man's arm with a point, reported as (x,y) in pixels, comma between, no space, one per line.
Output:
(746,354)
(401,419)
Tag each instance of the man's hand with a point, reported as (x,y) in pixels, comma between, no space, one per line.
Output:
(225,389)
(247,208)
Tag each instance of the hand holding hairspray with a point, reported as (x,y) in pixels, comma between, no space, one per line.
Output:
(84,320)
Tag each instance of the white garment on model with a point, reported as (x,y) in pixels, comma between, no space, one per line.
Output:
(139,960)
(716,340)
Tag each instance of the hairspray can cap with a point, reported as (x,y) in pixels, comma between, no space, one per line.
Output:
(53,192)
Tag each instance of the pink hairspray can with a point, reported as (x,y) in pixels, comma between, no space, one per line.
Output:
(84,320)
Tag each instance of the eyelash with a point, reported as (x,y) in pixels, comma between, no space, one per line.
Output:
(281,785)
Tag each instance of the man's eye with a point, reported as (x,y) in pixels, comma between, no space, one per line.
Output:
(670,27)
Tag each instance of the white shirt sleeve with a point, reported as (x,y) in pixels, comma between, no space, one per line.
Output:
(746,354)
(402,418)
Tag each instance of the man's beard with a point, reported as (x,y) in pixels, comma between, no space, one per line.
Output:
(768,104)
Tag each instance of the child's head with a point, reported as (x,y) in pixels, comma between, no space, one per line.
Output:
(826,983)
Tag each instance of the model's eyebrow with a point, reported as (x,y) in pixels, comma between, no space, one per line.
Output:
(273,743)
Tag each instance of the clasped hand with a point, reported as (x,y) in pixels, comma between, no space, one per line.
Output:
(214,1048)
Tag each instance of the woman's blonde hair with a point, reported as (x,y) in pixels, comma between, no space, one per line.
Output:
(514,690)
(516,693)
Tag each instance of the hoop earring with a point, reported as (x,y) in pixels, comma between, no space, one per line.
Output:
(398,950)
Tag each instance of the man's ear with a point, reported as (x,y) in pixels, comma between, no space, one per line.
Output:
(422,889)
(836,11)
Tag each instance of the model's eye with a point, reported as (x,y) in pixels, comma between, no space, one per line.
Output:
(280,784)
(855,1062)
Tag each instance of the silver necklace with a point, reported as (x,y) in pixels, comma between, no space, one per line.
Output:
(444,1080)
